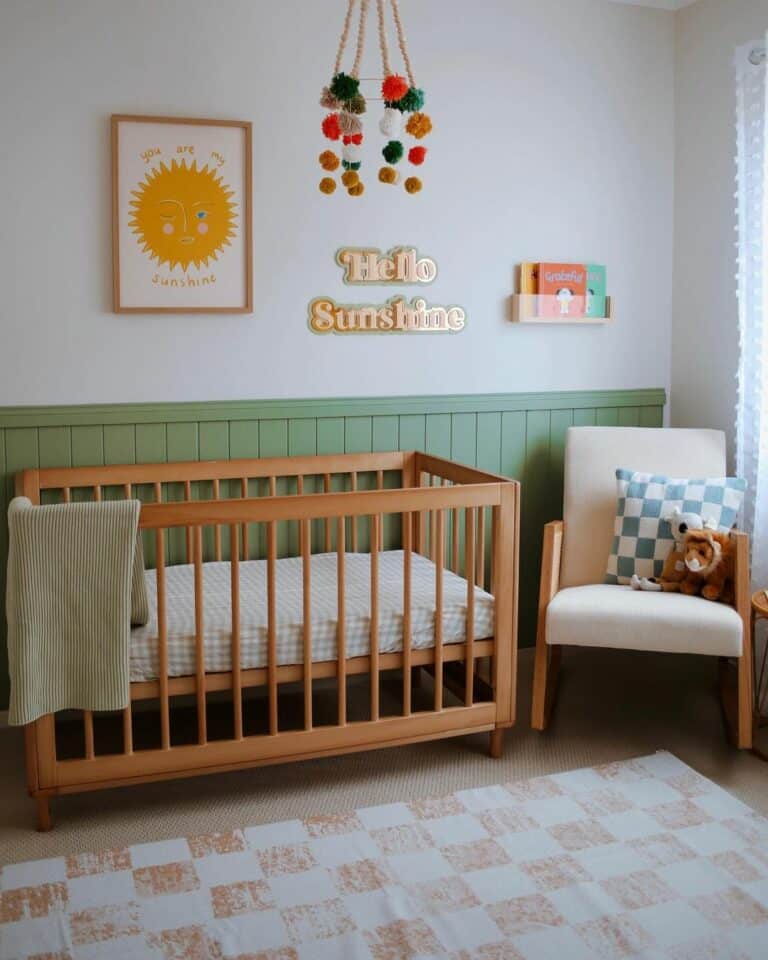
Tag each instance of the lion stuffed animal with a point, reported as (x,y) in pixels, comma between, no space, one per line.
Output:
(709,565)
(674,571)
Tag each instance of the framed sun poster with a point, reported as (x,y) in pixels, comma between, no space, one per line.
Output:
(181,215)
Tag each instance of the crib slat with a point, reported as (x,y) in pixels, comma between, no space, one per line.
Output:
(158,492)
(273,486)
(455,540)
(353,520)
(65,495)
(217,528)
(306,568)
(188,497)
(327,489)
(407,563)
(127,491)
(341,638)
(97,493)
(162,639)
(244,495)
(88,732)
(128,729)
(439,562)
(432,526)
(272,623)
(202,732)
(480,580)
(469,564)
(374,628)
(380,486)
(420,521)
(237,692)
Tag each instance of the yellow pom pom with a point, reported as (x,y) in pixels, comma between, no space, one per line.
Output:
(327,185)
(413,184)
(350,178)
(328,160)
(356,189)
(388,175)
(419,125)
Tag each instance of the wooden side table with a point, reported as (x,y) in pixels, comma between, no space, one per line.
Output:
(760,612)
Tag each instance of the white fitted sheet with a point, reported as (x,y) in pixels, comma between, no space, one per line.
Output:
(253,612)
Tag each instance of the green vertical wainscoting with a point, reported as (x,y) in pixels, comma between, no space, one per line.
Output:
(519,435)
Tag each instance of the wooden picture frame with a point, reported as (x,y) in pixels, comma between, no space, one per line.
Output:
(172,252)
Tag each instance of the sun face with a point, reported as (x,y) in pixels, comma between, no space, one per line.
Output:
(183,215)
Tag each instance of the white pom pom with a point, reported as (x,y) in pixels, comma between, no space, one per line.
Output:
(351,153)
(391,123)
(349,123)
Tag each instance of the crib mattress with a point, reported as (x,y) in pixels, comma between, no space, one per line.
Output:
(290,644)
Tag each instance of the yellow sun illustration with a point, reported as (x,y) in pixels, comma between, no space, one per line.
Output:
(183,215)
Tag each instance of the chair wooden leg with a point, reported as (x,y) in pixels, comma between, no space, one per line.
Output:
(497,743)
(44,822)
(745,703)
(546,671)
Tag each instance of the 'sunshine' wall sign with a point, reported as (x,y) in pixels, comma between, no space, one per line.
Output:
(401,265)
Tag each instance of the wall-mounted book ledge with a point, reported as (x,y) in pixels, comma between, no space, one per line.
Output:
(540,308)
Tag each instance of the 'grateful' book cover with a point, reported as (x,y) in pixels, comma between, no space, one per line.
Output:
(596,290)
(562,289)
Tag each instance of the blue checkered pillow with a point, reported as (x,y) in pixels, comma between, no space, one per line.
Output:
(642,536)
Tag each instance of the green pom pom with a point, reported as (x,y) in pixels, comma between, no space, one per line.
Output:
(393,151)
(410,103)
(356,104)
(344,87)
(350,166)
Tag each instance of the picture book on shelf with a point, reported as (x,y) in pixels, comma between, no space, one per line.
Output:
(596,290)
(562,289)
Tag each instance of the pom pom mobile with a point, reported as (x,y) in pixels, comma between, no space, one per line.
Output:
(345,104)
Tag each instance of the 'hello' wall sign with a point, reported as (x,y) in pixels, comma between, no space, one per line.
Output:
(400,266)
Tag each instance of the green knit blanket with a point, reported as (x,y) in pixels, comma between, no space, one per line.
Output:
(75,584)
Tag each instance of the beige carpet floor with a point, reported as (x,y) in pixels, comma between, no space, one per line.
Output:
(612,705)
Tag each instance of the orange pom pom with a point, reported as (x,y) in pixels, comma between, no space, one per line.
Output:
(350,178)
(413,184)
(331,127)
(394,87)
(328,160)
(416,155)
(388,175)
(327,185)
(356,189)
(419,125)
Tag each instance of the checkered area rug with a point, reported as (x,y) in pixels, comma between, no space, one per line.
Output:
(643,858)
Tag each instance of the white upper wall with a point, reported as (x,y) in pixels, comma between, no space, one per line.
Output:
(705,319)
(660,4)
(553,139)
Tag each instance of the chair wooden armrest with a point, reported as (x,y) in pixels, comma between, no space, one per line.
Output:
(739,709)
(547,659)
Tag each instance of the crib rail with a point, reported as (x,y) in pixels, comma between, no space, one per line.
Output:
(462,519)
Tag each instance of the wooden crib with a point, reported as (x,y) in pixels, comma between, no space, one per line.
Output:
(403,508)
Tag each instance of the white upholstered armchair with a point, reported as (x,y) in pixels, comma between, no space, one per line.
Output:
(577,608)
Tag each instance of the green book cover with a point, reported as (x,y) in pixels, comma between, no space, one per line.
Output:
(596,289)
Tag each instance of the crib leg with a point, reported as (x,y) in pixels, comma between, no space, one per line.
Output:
(497,743)
(44,822)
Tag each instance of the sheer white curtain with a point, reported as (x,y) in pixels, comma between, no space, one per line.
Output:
(752,199)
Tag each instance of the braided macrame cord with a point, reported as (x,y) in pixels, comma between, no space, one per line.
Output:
(403,102)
